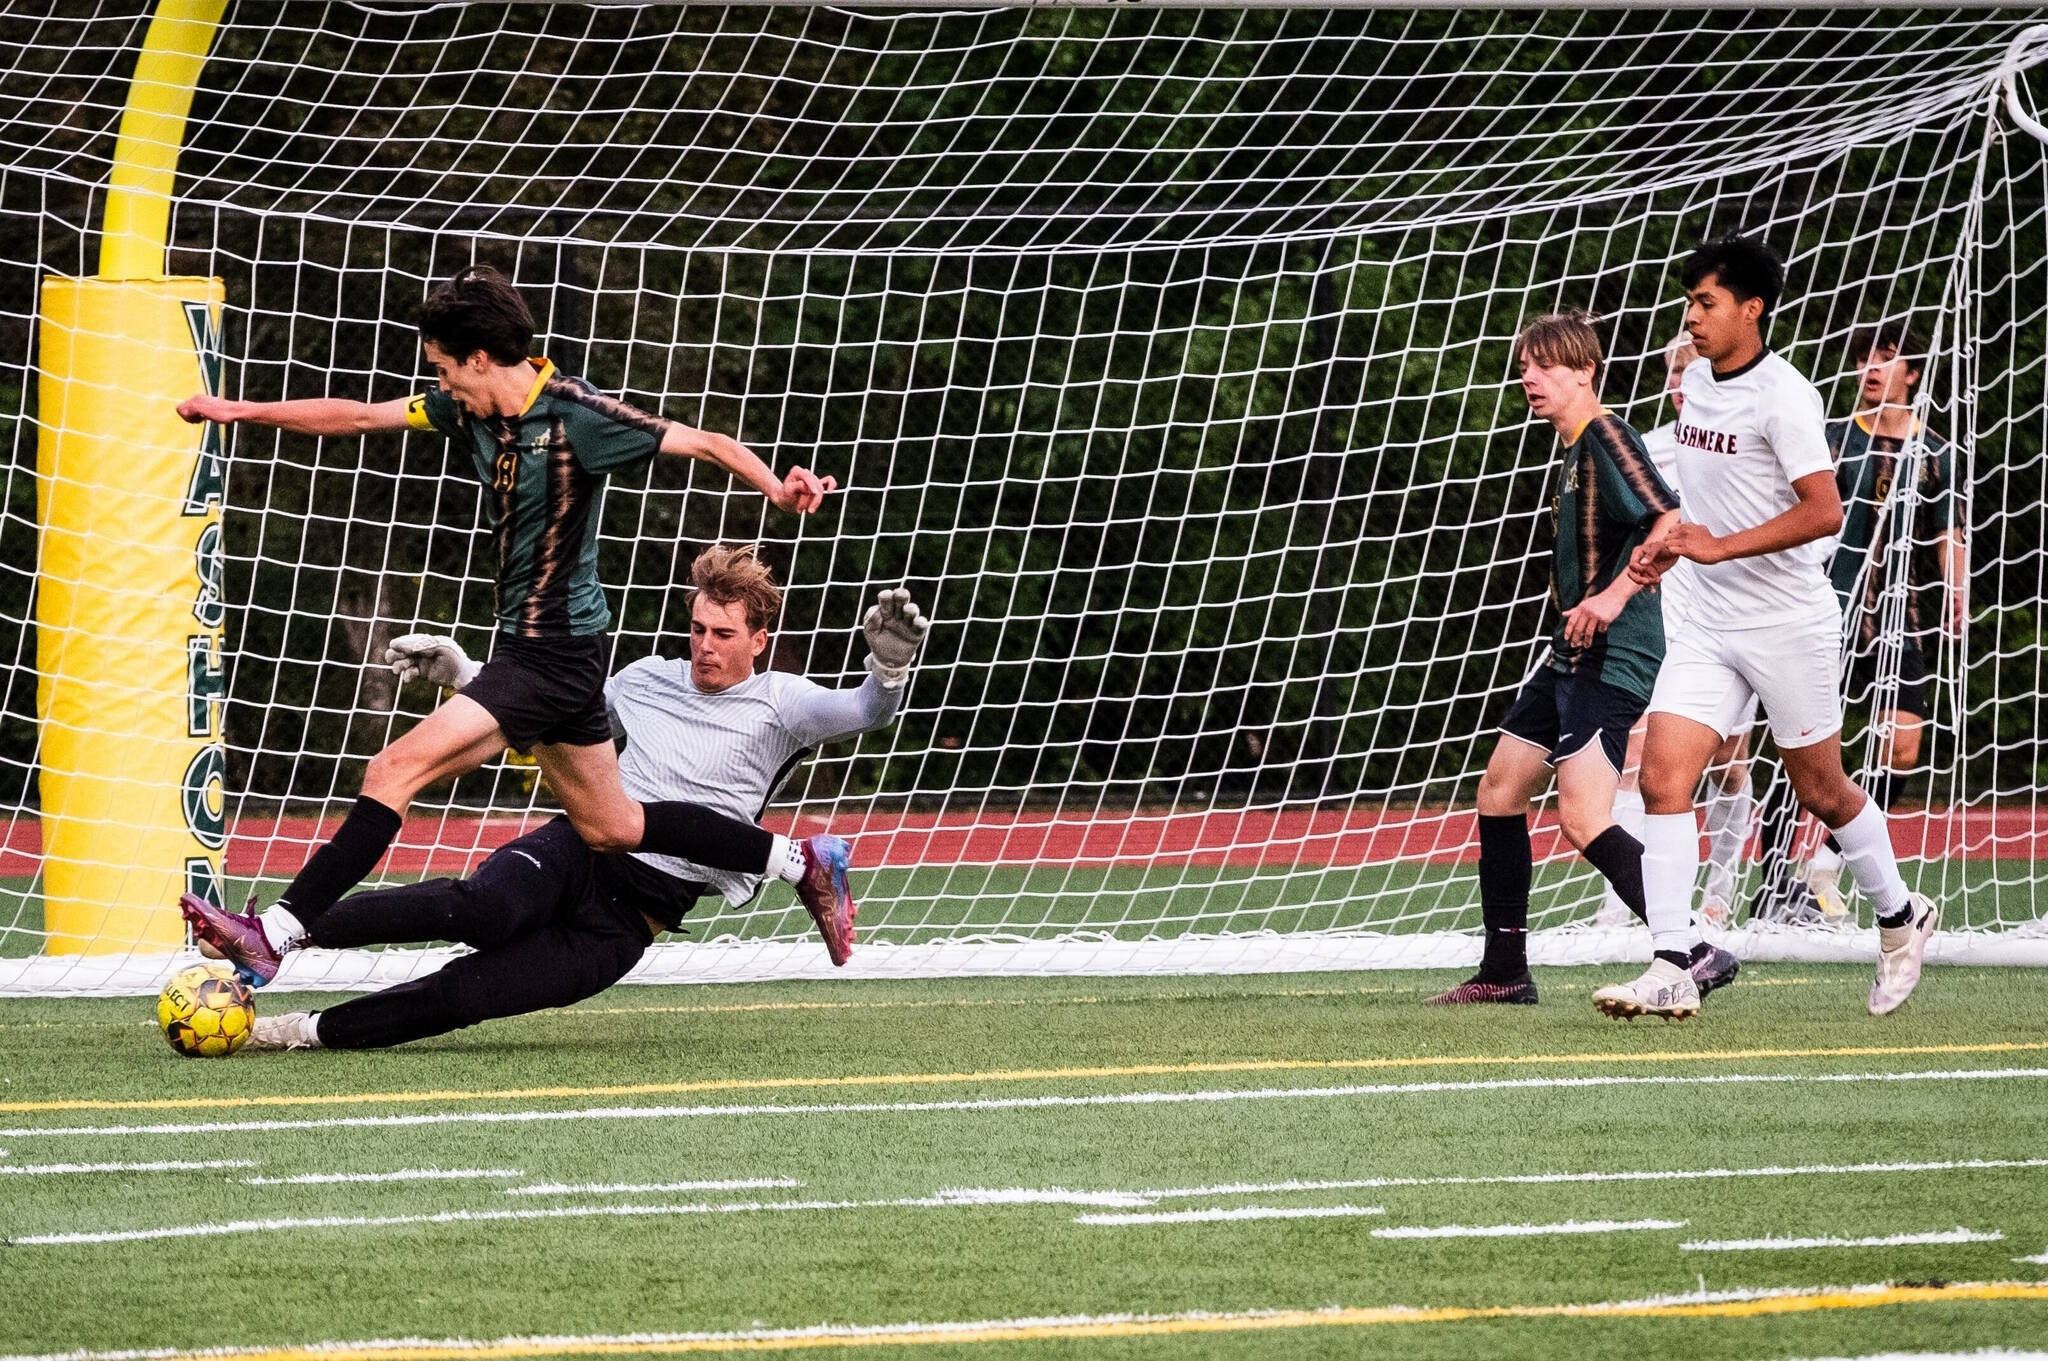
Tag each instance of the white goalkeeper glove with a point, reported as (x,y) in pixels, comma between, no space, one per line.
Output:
(895,632)
(431,657)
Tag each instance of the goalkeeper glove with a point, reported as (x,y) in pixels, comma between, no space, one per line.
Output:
(431,657)
(895,632)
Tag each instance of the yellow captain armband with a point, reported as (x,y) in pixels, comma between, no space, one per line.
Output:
(416,414)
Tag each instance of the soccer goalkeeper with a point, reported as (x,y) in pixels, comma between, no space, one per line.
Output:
(542,445)
(553,921)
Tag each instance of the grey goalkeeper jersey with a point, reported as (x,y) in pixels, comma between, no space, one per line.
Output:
(728,751)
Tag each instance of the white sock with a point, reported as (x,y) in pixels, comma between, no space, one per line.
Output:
(1671,861)
(1867,846)
(1727,833)
(1825,857)
(282,929)
(1628,815)
(786,859)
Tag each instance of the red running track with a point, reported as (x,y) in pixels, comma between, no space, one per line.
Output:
(1270,839)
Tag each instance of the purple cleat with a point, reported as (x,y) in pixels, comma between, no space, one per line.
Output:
(826,894)
(238,936)
(1481,991)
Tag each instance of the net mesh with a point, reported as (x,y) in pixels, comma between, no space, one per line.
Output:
(1164,354)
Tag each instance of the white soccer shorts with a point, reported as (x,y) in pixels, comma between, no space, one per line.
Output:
(1718,677)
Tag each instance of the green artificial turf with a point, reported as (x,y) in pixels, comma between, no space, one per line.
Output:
(796,1045)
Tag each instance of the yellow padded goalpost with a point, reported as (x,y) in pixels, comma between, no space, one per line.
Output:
(128,602)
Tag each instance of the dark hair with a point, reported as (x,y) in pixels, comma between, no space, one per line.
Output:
(1898,337)
(478,309)
(1746,266)
(1564,338)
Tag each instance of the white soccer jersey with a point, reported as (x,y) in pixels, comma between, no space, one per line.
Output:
(1743,440)
(730,750)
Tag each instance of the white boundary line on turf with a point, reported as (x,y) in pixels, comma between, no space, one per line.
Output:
(952,1199)
(1243,1188)
(1014,1103)
(1983,1354)
(1240,1212)
(622,1188)
(2040,1260)
(67,1169)
(405,1174)
(1528,1230)
(1894,1240)
(624,1342)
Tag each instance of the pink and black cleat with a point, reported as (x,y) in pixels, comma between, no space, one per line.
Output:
(1481,991)
(826,894)
(238,936)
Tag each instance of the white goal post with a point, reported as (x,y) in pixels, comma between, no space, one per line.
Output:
(1163,352)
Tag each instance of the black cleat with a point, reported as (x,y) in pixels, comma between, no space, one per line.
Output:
(1712,968)
(1518,992)
(1787,902)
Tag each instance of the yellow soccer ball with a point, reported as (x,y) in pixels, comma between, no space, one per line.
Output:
(206,1012)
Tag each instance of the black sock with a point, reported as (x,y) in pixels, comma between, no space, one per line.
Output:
(1619,858)
(1776,825)
(357,845)
(1505,866)
(1884,788)
(705,838)
(1678,959)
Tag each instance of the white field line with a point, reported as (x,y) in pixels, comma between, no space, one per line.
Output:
(1240,1188)
(2041,1260)
(1528,1230)
(953,1199)
(1022,1102)
(1894,1240)
(405,1174)
(621,1188)
(66,1169)
(1983,1354)
(626,1342)
(1239,1212)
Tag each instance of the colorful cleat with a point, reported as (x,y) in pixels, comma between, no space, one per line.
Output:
(238,936)
(1712,968)
(827,895)
(1520,992)
(1899,952)
(1664,990)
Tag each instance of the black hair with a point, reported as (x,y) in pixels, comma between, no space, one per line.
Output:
(1746,266)
(1898,337)
(478,309)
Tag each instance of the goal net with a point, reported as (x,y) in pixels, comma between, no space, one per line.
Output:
(1163,353)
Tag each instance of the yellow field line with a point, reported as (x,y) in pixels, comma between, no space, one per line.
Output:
(1003,1075)
(1162,1327)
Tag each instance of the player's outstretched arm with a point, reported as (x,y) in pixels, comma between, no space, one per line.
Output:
(895,630)
(799,490)
(311,416)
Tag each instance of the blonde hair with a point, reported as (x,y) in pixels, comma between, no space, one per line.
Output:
(1680,352)
(725,575)
(1563,338)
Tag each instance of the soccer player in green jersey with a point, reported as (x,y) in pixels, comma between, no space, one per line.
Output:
(1575,710)
(542,445)
(1874,449)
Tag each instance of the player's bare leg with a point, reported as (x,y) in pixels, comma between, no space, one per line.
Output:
(455,739)
(1898,754)
(1905,920)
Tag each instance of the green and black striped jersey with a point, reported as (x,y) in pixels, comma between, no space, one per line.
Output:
(542,472)
(1609,494)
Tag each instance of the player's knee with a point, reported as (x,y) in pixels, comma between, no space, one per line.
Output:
(1834,801)
(1581,824)
(605,833)
(1663,792)
(391,779)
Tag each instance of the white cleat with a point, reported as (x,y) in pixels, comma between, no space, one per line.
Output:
(1826,883)
(1665,990)
(293,1030)
(1899,951)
